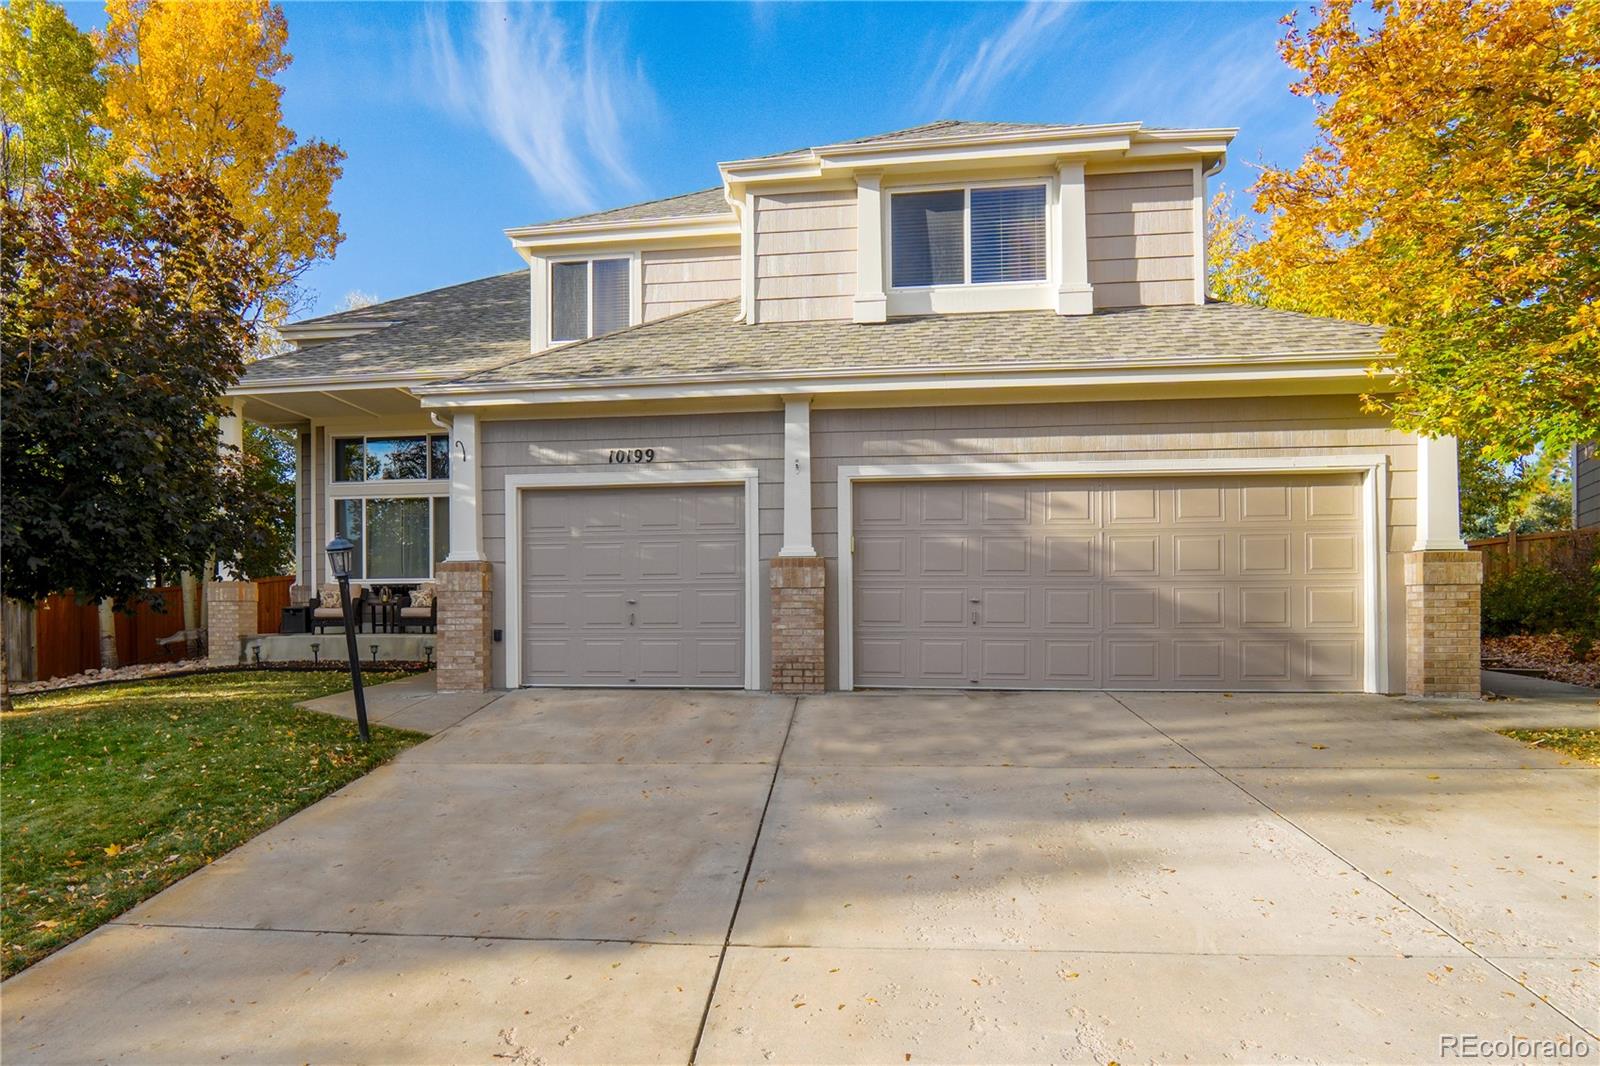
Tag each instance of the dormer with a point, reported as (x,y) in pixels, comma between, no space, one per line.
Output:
(598,273)
(962,217)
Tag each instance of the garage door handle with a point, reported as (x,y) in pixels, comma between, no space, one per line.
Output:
(974,616)
(630,618)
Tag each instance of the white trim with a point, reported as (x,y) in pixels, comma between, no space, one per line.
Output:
(640,230)
(466,497)
(797,539)
(635,477)
(1074,294)
(1373,468)
(1438,496)
(871,304)
(747,261)
(1199,233)
(1351,366)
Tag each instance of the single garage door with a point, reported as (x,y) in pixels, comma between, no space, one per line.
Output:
(1175,583)
(634,586)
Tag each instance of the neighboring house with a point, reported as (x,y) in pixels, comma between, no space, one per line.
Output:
(1586,485)
(943,407)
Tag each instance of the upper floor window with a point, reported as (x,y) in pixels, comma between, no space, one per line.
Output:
(975,236)
(391,458)
(589,297)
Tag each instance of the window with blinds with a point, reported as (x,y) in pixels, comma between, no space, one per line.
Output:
(1008,234)
(589,298)
(968,236)
(569,301)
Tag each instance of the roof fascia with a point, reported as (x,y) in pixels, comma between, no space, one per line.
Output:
(632,231)
(331,331)
(332,383)
(1352,365)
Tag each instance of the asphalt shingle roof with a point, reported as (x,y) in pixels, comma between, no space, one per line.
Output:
(456,330)
(710,341)
(688,205)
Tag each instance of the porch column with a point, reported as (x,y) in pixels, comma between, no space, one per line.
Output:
(870,303)
(230,603)
(1443,582)
(304,586)
(798,577)
(1074,296)
(464,582)
(230,435)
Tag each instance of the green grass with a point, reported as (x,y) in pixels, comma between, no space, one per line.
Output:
(1581,744)
(108,795)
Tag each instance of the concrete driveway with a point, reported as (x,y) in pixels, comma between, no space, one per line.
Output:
(733,878)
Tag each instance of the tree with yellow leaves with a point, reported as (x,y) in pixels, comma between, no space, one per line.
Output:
(190,88)
(1453,195)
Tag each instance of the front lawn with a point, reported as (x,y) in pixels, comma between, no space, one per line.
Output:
(1581,744)
(108,795)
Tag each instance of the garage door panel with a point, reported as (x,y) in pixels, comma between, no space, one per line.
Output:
(1076,608)
(1072,662)
(1205,582)
(1005,607)
(644,585)
(881,556)
(942,607)
(939,556)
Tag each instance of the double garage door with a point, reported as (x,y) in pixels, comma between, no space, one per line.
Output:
(1181,583)
(633,587)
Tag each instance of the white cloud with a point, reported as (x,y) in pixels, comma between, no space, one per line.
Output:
(1215,84)
(558,99)
(967,74)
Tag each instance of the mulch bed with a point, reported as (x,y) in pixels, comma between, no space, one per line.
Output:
(1551,654)
(188,667)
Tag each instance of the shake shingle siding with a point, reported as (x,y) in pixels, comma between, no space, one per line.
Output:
(1586,486)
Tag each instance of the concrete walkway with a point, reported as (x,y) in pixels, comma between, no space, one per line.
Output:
(410,703)
(734,878)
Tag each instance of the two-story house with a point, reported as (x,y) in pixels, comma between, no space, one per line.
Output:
(943,407)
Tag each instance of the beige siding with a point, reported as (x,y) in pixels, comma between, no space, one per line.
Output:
(805,256)
(1166,429)
(529,446)
(683,279)
(1141,228)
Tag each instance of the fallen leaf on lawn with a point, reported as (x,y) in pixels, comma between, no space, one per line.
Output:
(113,850)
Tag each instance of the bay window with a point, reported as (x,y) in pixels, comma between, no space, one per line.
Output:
(590,297)
(972,236)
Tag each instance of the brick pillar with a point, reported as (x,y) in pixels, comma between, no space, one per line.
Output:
(463,645)
(1442,651)
(797,624)
(230,617)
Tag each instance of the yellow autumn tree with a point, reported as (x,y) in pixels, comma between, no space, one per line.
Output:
(1453,195)
(190,87)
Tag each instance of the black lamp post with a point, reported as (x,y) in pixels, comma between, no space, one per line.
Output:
(340,552)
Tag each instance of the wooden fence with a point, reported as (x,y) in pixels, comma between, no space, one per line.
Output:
(1560,550)
(60,636)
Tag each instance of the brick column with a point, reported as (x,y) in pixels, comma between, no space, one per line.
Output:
(463,645)
(1442,651)
(230,616)
(797,624)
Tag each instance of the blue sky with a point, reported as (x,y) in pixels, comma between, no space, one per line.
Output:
(461,119)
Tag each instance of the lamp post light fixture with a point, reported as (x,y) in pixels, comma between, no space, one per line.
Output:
(340,552)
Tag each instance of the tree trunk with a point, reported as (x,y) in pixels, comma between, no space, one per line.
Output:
(5,662)
(108,636)
(189,593)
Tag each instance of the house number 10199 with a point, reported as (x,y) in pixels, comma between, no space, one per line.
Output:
(631,455)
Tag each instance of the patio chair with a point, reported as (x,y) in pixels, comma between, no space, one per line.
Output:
(326,610)
(422,611)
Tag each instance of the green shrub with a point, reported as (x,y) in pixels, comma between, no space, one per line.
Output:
(1537,599)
